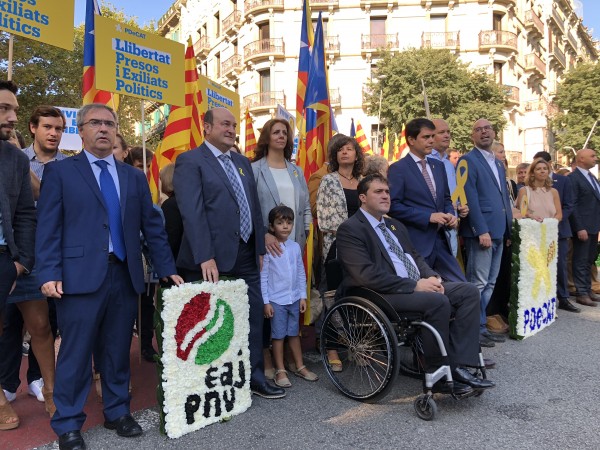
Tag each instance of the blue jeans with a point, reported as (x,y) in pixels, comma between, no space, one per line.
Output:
(482,270)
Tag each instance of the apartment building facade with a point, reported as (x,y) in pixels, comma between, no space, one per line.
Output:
(251,46)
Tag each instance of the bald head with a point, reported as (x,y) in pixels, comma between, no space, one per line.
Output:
(442,136)
(586,158)
(483,134)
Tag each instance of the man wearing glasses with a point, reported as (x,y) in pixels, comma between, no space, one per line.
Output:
(93,209)
(488,222)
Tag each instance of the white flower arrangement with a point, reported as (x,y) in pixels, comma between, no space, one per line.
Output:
(205,355)
(536,304)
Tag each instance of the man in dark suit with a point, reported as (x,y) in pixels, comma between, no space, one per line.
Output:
(421,200)
(17,217)
(565,191)
(378,254)
(89,258)
(585,223)
(223,230)
(489,221)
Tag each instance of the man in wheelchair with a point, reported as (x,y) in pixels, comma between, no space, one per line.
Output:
(376,253)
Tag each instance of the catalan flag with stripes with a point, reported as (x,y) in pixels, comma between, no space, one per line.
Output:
(306,44)
(385,150)
(362,140)
(184,130)
(402,149)
(250,144)
(89,92)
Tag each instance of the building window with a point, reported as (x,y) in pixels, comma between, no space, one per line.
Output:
(265,80)
(438,23)
(498,73)
(377,29)
(497,22)
(217,26)
(218,65)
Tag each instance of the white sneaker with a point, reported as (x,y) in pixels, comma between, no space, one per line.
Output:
(35,389)
(10,396)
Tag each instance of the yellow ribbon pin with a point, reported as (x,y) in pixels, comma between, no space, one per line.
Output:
(241,172)
(462,173)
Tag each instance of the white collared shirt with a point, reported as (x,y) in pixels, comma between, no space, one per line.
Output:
(427,166)
(282,279)
(398,265)
(491,160)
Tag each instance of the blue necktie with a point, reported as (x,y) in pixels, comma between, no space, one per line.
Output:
(594,182)
(111,198)
(239,195)
(411,269)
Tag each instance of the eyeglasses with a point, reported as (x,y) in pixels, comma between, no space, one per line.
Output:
(97,123)
(480,129)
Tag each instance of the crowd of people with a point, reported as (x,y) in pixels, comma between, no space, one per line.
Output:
(99,241)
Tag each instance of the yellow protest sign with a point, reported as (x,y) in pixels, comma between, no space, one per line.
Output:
(216,96)
(48,21)
(462,173)
(132,62)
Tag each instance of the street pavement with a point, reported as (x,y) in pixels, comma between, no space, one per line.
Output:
(547,396)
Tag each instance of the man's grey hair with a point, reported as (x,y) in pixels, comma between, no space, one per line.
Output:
(87,108)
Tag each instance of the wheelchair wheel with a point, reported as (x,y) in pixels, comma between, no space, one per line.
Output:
(425,407)
(367,346)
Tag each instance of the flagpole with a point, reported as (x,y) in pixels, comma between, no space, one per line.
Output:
(588,138)
(379,116)
(425,102)
(10,57)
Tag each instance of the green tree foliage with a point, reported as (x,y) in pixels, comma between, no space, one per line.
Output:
(578,97)
(455,93)
(48,75)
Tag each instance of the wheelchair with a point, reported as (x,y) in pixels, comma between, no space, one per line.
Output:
(375,343)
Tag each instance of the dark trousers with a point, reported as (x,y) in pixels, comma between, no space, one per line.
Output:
(102,322)
(443,261)
(8,275)
(562,280)
(246,268)
(584,255)
(461,336)
(10,348)
(146,328)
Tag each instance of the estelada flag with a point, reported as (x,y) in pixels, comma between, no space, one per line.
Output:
(184,130)
(89,92)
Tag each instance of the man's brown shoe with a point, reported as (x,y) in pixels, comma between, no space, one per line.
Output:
(594,297)
(585,300)
(496,324)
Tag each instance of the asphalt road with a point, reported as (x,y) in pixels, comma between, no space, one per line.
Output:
(547,396)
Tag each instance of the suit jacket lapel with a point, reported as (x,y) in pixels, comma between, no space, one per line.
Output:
(218,169)
(294,176)
(123,185)
(486,166)
(268,176)
(374,237)
(587,182)
(85,169)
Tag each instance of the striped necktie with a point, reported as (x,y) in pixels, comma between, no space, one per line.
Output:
(413,272)
(427,178)
(239,195)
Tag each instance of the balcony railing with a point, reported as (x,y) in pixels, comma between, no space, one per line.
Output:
(449,40)
(257,6)
(543,105)
(559,56)
(533,22)
(555,16)
(500,40)
(369,42)
(232,65)
(264,100)
(334,97)
(332,45)
(264,47)
(534,64)
(232,22)
(202,46)
(316,5)
(171,17)
(512,94)
(572,40)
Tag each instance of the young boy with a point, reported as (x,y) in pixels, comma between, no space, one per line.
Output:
(283,284)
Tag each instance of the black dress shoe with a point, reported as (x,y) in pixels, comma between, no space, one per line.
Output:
(565,303)
(266,390)
(126,426)
(464,376)
(485,342)
(456,388)
(71,441)
(493,337)
(148,354)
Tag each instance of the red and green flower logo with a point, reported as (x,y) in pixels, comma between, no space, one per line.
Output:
(205,325)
